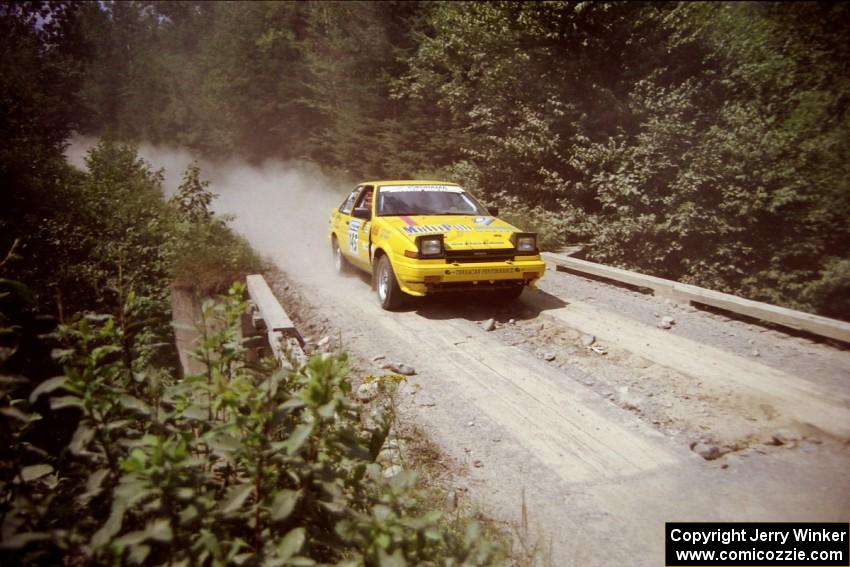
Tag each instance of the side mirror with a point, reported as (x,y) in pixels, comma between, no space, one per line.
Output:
(364,214)
(493,211)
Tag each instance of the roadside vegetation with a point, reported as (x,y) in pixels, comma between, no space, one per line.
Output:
(108,456)
(118,461)
(703,142)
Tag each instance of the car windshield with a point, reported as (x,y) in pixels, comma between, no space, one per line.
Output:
(397,200)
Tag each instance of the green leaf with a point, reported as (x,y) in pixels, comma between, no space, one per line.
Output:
(130,539)
(235,498)
(291,404)
(61,402)
(20,540)
(283,504)
(223,443)
(101,352)
(429,519)
(159,530)
(19,288)
(328,410)
(34,472)
(134,404)
(298,438)
(119,424)
(93,484)
(156,530)
(61,354)
(81,439)
(135,462)
(48,386)
(300,561)
(291,543)
(195,413)
(111,527)
(138,554)
(130,491)
(15,413)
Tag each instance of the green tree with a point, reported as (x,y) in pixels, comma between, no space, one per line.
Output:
(193,199)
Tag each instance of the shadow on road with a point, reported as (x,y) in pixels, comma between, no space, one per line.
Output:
(481,306)
(475,306)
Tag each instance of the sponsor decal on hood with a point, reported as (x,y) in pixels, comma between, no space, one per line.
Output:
(459,230)
(431,224)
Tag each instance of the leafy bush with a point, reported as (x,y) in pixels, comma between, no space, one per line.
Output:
(237,464)
(208,255)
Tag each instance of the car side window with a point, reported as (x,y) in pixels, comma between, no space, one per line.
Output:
(349,203)
(365,200)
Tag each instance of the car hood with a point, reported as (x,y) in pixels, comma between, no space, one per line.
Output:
(460,231)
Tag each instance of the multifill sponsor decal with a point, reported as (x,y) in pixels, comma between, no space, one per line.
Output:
(353,229)
(419,229)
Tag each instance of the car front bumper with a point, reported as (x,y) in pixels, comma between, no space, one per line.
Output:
(421,277)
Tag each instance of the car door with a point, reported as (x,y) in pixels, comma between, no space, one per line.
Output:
(359,228)
(341,222)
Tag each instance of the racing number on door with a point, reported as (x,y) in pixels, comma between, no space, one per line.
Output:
(353,231)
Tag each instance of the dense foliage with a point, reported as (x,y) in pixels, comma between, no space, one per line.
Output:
(235,465)
(107,454)
(705,142)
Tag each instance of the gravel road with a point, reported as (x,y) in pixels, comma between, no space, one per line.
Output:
(575,406)
(603,445)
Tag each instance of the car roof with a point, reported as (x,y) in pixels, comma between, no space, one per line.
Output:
(409,182)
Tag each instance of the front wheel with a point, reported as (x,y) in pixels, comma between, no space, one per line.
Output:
(390,295)
(340,263)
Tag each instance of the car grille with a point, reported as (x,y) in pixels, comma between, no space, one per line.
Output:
(488,255)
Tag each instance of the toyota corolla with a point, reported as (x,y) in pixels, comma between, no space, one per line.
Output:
(421,237)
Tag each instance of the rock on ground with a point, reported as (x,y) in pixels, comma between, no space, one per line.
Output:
(707,451)
(783,437)
(366,392)
(400,368)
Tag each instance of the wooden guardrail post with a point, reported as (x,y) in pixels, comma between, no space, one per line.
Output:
(268,316)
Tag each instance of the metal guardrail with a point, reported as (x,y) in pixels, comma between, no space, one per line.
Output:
(815,324)
(268,316)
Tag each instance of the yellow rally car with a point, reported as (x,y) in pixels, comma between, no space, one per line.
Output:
(423,237)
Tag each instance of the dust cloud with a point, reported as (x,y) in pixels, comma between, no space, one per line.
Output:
(282,208)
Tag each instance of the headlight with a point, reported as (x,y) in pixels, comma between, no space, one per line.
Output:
(430,246)
(525,242)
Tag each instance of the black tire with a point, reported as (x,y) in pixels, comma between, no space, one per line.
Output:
(341,265)
(509,293)
(389,293)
